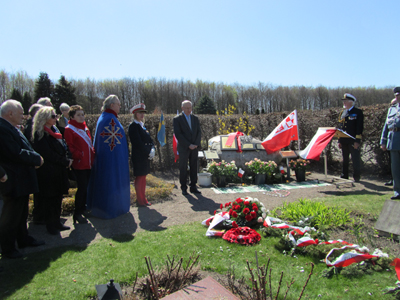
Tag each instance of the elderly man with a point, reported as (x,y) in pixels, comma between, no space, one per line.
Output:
(188,133)
(352,122)
(109,185)
(19,161)
(390,141)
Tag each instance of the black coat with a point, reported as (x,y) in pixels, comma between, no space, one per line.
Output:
(2,172)
(53,175)
(352,122)
(141,146)
(184,134)
(18,160)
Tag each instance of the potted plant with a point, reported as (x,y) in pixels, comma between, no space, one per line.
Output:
(222,171)
(259,168)
(299,166)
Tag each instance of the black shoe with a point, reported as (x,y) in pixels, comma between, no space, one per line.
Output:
(389,183)
(194,191)
(13,254)
(80,219)
(62,227)
(34,243)
(344,177)
(395,197)
(184,192)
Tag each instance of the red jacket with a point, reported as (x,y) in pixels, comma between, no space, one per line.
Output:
(79,145)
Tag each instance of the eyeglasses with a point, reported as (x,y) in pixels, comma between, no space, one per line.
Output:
(53,116)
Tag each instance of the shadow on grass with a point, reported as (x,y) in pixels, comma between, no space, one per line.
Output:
(114,228)
(202,203)
(19,272)
(150,219)
(348,193)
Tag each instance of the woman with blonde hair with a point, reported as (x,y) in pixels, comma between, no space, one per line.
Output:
(53,175)
(142,152)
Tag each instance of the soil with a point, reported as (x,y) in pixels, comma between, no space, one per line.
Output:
(179,209)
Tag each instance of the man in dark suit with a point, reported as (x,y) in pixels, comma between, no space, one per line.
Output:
(188,133)
(19,161)
(352,122)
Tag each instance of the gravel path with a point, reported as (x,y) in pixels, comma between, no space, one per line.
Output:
(181,209)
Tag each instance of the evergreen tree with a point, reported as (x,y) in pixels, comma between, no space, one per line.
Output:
(64,92)
(257,111)
(43,87)
(16,95)
(26,102)
(205,106)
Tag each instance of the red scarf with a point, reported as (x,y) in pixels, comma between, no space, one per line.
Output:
(55,135)
(77,124)
(109,110)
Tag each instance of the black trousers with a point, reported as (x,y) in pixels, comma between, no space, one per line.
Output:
(38,208)
(82,180)
(185,157)
(347,149)
(52,208)
(13,223)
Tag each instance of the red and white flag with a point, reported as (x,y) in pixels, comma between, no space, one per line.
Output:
(282,135)
(318,143)
(175,147)
(240,172)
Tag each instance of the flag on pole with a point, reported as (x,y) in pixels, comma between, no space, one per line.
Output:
(318,143)
(175,147)
(283,134)
(240,172)
(161,131)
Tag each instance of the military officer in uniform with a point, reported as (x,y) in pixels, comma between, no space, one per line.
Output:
(390,140)
(352,122)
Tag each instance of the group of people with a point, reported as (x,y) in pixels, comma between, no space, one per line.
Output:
(352,122)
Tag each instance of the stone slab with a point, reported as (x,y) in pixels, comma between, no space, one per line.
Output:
(207,288)
(388,221)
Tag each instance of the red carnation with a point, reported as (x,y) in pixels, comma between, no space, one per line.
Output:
(246,203)
(255,207)
(215,212)
(226,204)
(231,212)
(248,218)
(237,207)
(221,206)
(234,214)
(253,214)
(246,210)
(234,224)
(238,200)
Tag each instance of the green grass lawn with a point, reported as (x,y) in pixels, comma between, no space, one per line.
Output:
(72,272)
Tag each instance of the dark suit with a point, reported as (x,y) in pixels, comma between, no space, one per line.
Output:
(186,137)
(18,160)
(352,122)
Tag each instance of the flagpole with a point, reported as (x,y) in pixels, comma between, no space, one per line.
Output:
(297,129)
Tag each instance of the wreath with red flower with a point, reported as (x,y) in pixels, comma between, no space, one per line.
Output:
(242,235)
(245,212)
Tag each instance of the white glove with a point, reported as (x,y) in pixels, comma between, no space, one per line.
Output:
(152,153)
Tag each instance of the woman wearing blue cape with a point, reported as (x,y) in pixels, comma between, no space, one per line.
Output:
(109,184)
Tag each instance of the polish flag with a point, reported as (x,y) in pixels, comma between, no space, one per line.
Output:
(240,172)
(282,135)
(318,143)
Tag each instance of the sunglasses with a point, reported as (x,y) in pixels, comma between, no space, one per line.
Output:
(53,116)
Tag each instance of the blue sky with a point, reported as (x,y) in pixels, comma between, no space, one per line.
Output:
(311,43)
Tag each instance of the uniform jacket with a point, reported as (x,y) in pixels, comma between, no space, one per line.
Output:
(18,160)
(184,134)
(80,146)
(390,136)
(53,175)
(2,172)
(352,122)
(142,143)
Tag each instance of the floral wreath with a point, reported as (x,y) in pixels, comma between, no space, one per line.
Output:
(242,235)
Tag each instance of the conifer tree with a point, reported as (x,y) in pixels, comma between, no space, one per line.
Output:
(43,87)
(205,106)
(26,102)
(64,92)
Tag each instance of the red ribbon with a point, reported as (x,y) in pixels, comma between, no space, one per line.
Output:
(232,137)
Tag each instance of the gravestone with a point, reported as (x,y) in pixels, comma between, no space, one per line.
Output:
(388,221)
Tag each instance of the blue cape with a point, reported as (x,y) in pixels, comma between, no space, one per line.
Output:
(109,185)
